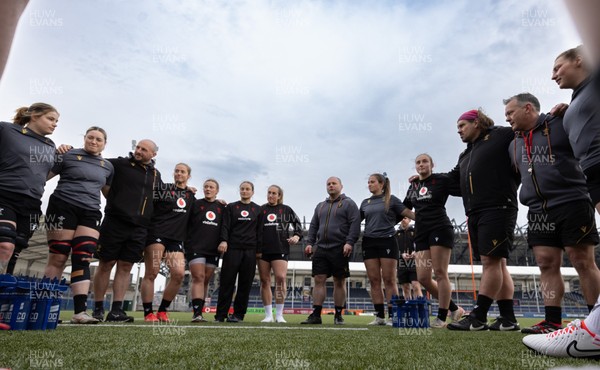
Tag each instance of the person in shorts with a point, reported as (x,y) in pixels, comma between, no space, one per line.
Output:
(124,230)
(381,213)
(561,214)
(334,229)
(202,244)
(72,220)
(172,205)
(274,223)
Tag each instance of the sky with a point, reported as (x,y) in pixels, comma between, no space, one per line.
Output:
(284,92)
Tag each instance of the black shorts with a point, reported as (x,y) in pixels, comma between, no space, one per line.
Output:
(61,215)
(406,275)
(274,257)
(169,244)
(195,258)
(331,262)
(24,211)
(592,178)
(121,240)
(443,237)
(380,248)
(492,232)
(567,225)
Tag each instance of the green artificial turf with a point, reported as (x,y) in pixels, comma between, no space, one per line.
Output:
(253,345)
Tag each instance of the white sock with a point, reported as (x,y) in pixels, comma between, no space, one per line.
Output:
(593,319)
(279,309)
(269,310)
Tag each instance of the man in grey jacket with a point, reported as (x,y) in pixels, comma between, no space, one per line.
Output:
(334,229)
(561,214)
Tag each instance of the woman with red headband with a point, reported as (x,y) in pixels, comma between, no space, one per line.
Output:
(488,185)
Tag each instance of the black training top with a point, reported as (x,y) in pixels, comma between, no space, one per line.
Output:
(82,177)
(406,240)
(428,197)
(240,225)
(274,223)
(25,160)
(131,192)
(171,211)
(204,227)
(486,175)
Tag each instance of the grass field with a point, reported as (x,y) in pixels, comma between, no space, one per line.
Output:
(253,345)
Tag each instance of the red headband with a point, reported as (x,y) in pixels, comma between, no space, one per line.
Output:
(469,115)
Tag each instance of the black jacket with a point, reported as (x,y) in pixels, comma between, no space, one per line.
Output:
(487,177)
(132,190)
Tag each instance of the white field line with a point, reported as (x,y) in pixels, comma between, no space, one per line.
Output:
(200,326)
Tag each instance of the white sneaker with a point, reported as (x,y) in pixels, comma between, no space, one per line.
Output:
(83,318)
(437,323)
(576,340)
(455,316)
(389,322)
(280,320)
(377,321)
(267,319)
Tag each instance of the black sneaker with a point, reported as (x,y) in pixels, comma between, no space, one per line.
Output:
(198,318)
(219,319)
(232,318)
(543,327)
(312,319)
(468,323)
(118,316)
(502,324)
(338,320)
(98,315)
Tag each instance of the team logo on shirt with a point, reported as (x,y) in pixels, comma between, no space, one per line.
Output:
(79,157)
(423,190)
(271,217)
(210,215)
(181,203)
(244,213)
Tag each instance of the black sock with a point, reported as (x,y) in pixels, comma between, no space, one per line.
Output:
(147,308)
(99,305)
(116,306)
(553,314)
(198,306)
(506,309)
(338,310)
(590,307)
(317,310)
(163,305)
(390,311)
(442,314)
(80,303)
(380,310)
(452,307)
(482,306)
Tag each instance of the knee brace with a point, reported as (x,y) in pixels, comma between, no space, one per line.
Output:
(22,241)
(8,233)
(59,246)
(83,249)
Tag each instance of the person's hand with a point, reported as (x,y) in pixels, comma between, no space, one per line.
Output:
(222,248)
(347,250)
(293,240)
(406,256)
(192,189)
(222,201)
(559,110)
(308,251)
(258,255)
(413,178)
(63,148)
